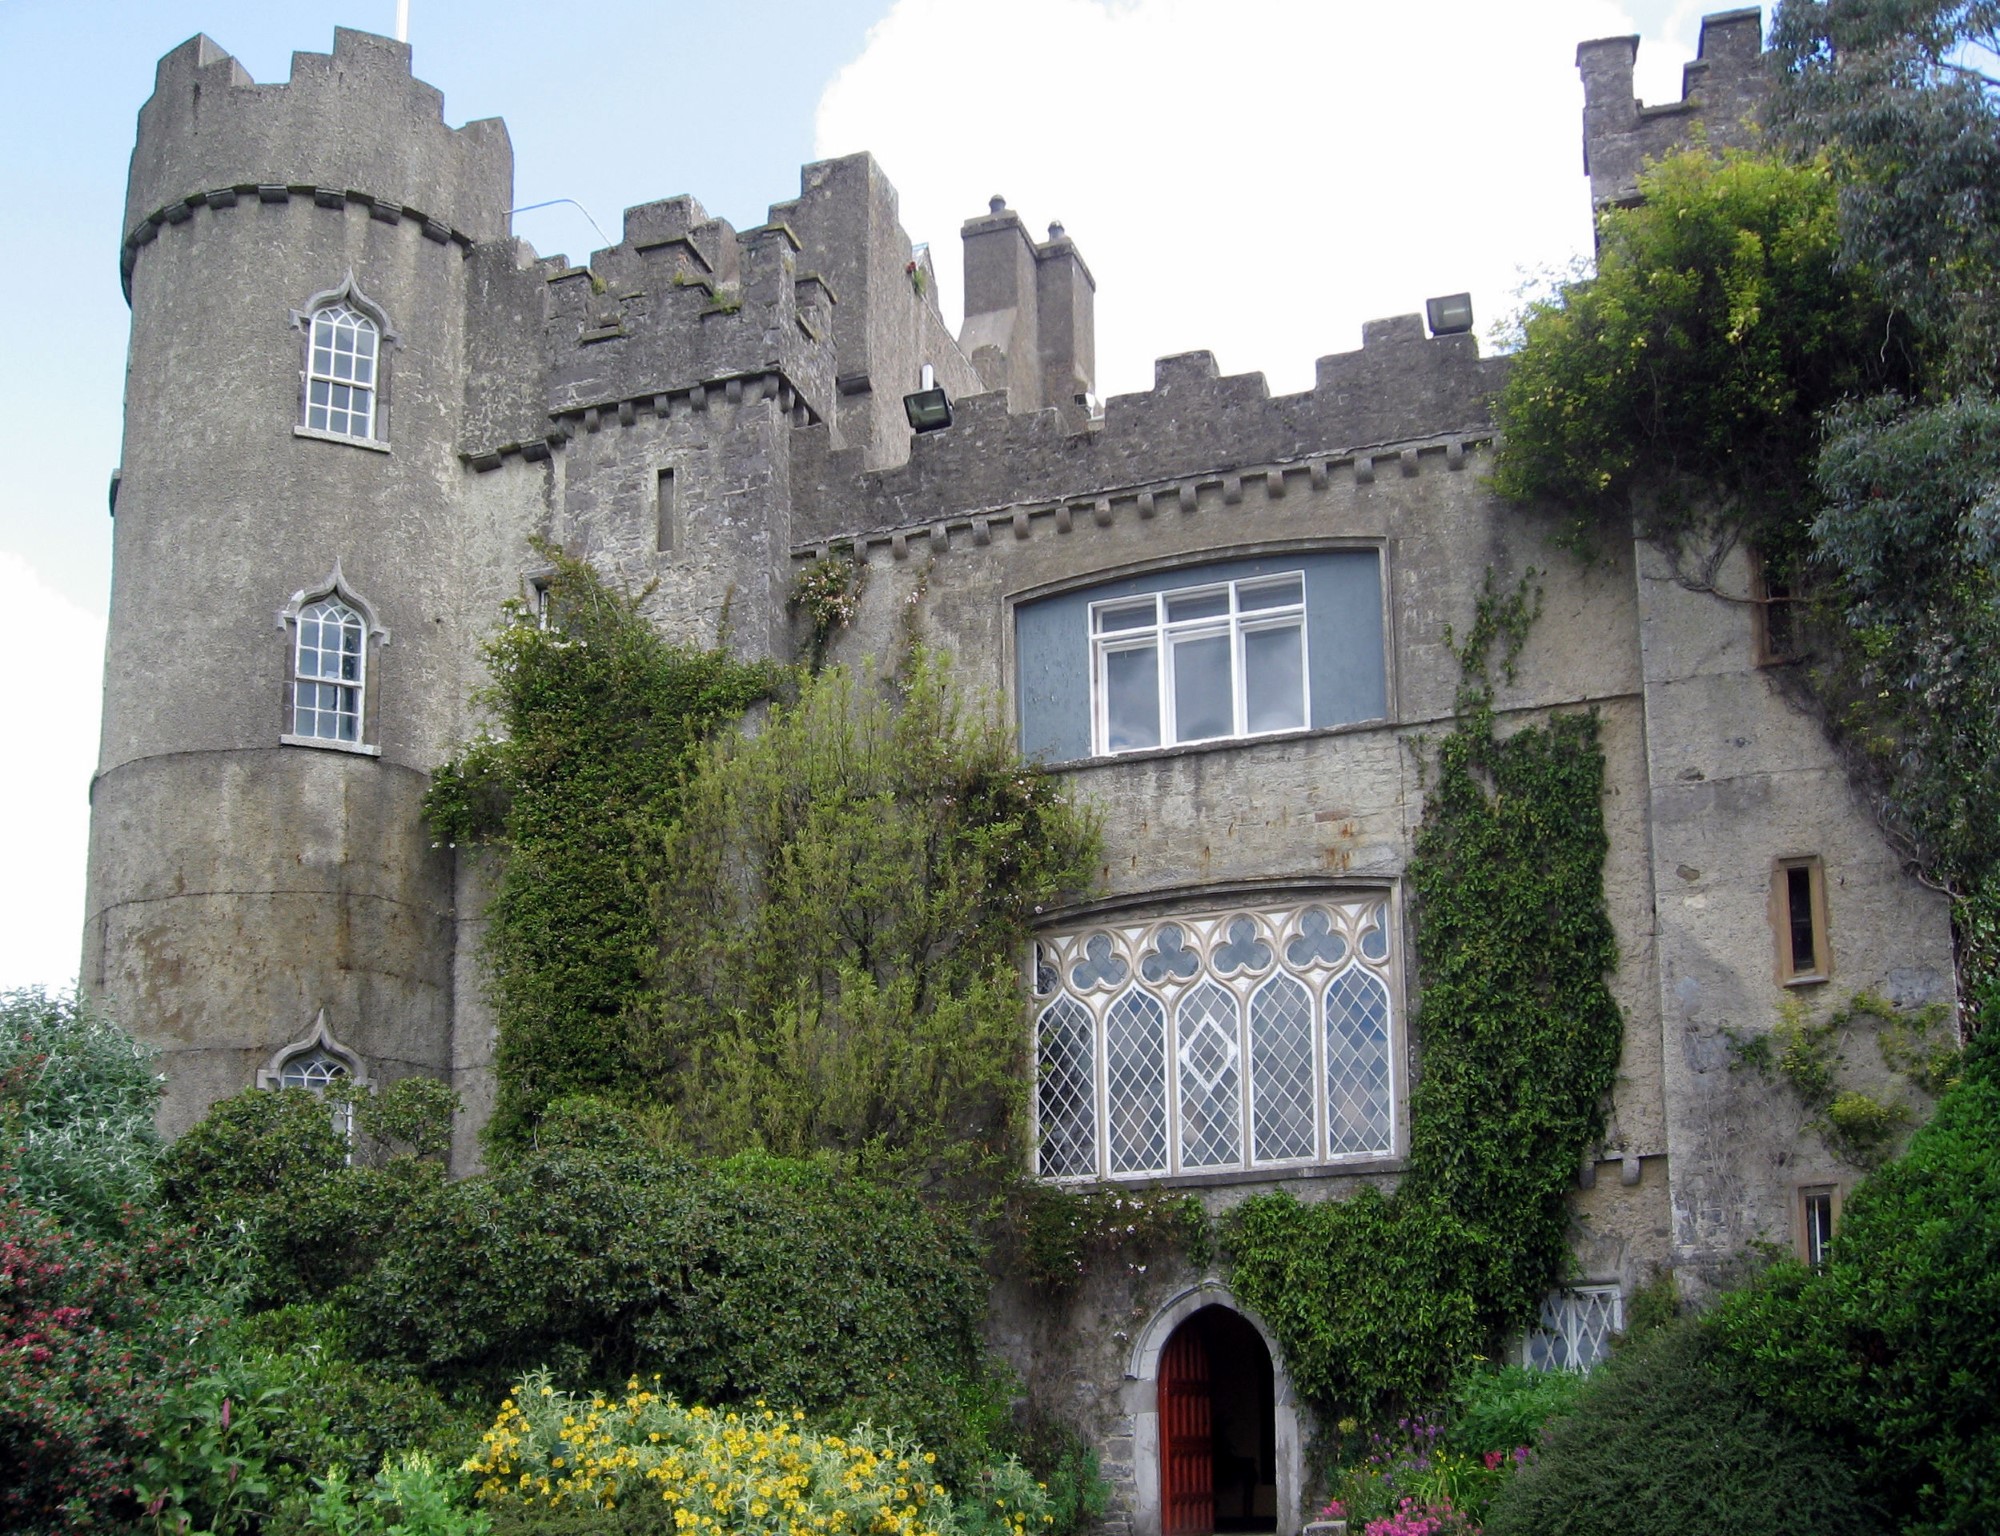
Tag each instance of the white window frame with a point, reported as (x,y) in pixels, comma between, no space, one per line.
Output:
(1354,932)
(1565,1322)
(317,1048)
(327,310)
(1164,634)
(334,590)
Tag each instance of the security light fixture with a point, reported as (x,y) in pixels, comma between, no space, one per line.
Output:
(1450,315)
(929,409)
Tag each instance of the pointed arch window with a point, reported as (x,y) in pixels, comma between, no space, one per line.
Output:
(315,1064)
(330,630)
(340,394)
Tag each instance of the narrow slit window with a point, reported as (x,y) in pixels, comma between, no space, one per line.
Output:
(666,513)
(1799,892)
(1774,622)
(1817,1208)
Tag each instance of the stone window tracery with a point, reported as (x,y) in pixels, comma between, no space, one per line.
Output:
(315,1064)
(1208,1043)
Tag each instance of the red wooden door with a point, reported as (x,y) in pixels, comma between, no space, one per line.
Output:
(1187,1441)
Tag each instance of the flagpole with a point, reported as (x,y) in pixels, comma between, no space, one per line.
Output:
(402,21)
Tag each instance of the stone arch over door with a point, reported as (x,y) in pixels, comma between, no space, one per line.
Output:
(1142,1388)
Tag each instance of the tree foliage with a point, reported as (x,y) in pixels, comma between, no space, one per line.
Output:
(1684,379)
(845,900)
(1889,1352)
(1668,1439)
(1901,95)
(77,1096)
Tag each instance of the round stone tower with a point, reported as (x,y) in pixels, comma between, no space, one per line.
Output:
(283,666)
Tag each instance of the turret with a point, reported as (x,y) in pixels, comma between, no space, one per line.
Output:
(281,670)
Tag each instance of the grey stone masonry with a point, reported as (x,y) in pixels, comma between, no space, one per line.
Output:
(1722,92)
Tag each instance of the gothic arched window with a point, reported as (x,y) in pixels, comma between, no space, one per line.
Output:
(316,1064)
(341,382)
(330,628)
(340,372)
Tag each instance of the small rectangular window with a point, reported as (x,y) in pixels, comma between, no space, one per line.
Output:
(1818,1206)
(1773,621)
(665,511)
(1577,1327)
(1798,900)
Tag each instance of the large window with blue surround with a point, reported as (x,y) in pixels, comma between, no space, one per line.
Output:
(1230,650)
(1207,1043)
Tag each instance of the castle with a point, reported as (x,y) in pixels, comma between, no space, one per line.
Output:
(355,402)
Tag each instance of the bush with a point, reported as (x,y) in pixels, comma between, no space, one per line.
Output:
(86,1357)
(1667,1438)
(755,1471)
(77,1096)
(1500,1408)
(755,1279)
(1891,1350)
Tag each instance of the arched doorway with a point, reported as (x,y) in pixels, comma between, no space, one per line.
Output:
(1218,1439)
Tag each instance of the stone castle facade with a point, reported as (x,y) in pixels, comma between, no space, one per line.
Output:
(355,402)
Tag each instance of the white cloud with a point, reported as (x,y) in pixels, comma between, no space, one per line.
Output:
(1255,178)
(49,696)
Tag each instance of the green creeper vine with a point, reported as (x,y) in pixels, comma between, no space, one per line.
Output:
(1806,1054)
(1376,1298)
(595,716)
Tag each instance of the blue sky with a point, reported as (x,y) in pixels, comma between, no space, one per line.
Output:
(1256,177)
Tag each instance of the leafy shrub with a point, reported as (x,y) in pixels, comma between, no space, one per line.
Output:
(842,905)
(1665,1439)
(754,1471)
(1500,1408)
(273,1167)
(1891,1350)
(411,1496)
(77,1096)
(839,1296)
(1066,1466)
(87,1354)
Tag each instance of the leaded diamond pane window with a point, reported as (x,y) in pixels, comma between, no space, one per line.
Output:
(330,662)
(1576,1329)
(1235,1039)
(341,354)
(1135,1061)
(1357,1062)
(1206,1057)
(1066,1091)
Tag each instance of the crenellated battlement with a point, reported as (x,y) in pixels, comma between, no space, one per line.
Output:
(352,126)
(1722,93)
(1398,395)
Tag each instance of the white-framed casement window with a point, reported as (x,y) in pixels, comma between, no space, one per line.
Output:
(1576,1329)
(1199,663)
(330,630)
(340,384)
(1217,1042)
